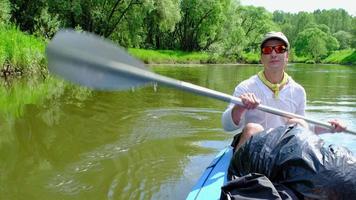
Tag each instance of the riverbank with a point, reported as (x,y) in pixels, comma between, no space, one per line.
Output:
(24,76)
(24,54)
(343,57)
(21,54)
(177,57)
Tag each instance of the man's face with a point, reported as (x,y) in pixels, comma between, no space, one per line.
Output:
(276,59)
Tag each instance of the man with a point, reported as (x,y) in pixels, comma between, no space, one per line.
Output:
(273,87)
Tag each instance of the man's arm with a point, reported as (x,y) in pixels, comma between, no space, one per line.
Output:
(233,116)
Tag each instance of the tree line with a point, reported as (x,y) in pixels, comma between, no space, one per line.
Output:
(224,27)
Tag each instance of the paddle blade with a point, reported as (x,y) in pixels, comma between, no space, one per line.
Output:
(89,60)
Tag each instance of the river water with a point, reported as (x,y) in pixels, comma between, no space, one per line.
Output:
(146,143)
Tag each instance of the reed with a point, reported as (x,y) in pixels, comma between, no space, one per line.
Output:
(21,53)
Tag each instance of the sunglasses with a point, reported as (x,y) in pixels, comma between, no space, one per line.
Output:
(277,49)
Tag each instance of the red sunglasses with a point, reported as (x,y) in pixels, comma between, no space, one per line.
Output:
(277,49)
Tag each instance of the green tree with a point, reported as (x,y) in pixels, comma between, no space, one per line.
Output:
(353,33)
(99,16)
(160,23)
(315,43)
(23,13)
(132,23)
(232,40)
(335,19)
(344,38)
(201,23)
(279,17)
(46,25)
(303,19)
(255,22)
(299,22)
(292,24)
(322,27)
(284,21)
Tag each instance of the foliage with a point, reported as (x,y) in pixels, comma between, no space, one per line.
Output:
(350,59)
(342,57)
(353,32)
(229,43)
(335,19)
(344,39)
(201,23)
(160,23)
(255,22)
(329,21)
(4,11)
(296,59)
(224,28)
(23,13)
(315,43)
(46,25)
(99,16)
(21,52)
(253,58)
(292,24)
(243,31)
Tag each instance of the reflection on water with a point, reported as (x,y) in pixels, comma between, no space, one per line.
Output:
(147,143)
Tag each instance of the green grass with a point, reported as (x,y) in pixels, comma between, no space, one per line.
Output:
(21,51)
(252,58)
(174,56)
(347,57)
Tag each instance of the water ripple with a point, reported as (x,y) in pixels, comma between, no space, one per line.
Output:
(69,182)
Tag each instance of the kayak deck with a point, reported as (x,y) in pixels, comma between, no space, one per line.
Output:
(213,178)
(215,175)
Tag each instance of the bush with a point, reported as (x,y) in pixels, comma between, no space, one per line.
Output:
(347,56)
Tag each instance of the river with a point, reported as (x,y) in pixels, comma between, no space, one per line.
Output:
(145,143)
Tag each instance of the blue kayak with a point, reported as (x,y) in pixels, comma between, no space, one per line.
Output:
(213,178)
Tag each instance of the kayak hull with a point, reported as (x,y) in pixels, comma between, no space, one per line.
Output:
(213,178)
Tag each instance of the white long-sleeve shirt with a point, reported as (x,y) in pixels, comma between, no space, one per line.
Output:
(292,98)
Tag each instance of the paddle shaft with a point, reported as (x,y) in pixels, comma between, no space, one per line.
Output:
(123,69)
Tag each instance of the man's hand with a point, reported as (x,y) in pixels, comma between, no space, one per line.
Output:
(250,101)
(338,125)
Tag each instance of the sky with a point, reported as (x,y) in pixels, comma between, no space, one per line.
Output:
(294,6)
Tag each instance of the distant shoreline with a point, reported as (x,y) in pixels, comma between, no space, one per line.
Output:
(18,61)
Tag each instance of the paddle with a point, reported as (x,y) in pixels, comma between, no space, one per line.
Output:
(97,63)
